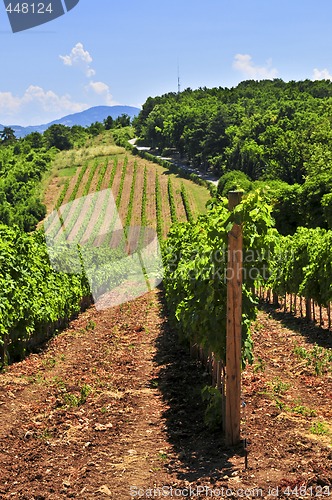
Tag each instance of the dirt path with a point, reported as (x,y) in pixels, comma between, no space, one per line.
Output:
(113,405)
(55,444)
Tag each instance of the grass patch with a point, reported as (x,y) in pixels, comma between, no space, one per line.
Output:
(320,428)
(200,195)
(277,386)
(73,400)
(67,172)
(100,151)
(304,410)
(317,359)
(297,409)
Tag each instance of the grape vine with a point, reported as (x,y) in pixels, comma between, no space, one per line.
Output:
(33,296)
(62,194)
(186,203)
(195,274)
(144,221)
(171,201)
(158,207)
(131,197)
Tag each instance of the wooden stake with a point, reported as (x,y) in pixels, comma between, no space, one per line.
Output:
(313,311)
(233,338)
(308,309)
(275,299)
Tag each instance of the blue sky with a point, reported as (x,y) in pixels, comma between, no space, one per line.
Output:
(123,51)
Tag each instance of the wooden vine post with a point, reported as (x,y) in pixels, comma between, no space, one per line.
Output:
(233,332)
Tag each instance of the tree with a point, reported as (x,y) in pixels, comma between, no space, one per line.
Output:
(314,200)
(58,135)
(95,128)
(122,121)
(233,181)
(108,123)
(78,135)
(35,140)
(287,206)
(7,135)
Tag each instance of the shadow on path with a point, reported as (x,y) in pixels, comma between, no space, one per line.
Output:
(201,452)
(308,329)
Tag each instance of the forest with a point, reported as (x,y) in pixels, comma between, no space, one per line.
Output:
(268,131)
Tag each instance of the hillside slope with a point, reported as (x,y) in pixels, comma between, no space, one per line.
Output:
(102,165)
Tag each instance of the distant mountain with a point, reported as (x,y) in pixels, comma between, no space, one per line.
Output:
(84,118)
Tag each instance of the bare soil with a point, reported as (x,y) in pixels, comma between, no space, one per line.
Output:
(136,219)
(95,179)
(111,407)
(124,203)
(166,212)
(151,198)
(51,195)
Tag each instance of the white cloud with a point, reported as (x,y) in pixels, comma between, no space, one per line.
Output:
(9,104)
(322,74)
(36,106)
(244,63)
(79,58)
(101,89)
(50,101)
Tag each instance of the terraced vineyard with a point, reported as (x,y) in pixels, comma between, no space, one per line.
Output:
(145,194)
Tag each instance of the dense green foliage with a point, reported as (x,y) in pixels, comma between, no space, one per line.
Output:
(58,136)
(196,269)
(23,164)
(32,295)
(7,135)
(21,170)
(122,136)
(233,181)
(269,130)
(301,264)
(195,275)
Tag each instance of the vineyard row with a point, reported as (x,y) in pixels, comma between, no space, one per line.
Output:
(76,213)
